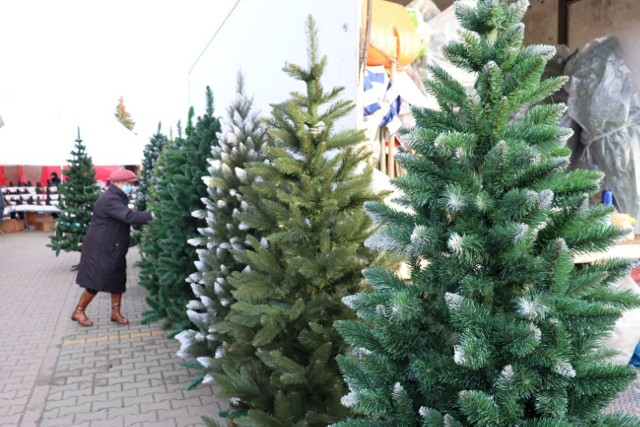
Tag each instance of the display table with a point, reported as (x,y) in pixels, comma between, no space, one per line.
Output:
(34,208)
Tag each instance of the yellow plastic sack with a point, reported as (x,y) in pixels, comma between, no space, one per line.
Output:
(393,35)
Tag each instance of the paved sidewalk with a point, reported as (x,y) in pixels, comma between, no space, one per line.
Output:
(54,372)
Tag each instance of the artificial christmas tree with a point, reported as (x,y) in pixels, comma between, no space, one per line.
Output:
(152,237)
(151,153)
(496,326)
(279,362)
(143,192)
(240,143)
(168,258)
(78,194)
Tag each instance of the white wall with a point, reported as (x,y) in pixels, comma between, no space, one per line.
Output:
(259,37)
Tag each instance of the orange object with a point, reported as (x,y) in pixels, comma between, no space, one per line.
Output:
(393,35)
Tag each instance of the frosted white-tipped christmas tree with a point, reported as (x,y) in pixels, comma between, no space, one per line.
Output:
(240,143)
(498,327)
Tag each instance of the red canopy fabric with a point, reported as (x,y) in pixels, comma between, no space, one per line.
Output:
(102,173)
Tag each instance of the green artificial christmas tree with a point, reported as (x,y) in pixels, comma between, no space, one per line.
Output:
(78,193)
(240,143)
(143,191)
(151,153)
(152,238)
(496,326)
(168,258)
(307,201)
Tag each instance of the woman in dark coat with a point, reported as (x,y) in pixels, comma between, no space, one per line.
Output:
(103,264)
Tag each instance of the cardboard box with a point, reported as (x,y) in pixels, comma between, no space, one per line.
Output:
(11,225)
(44,224)
(33,217)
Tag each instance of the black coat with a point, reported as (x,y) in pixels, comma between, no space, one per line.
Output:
(103,264)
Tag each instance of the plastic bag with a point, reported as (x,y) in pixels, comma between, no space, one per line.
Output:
(603,102)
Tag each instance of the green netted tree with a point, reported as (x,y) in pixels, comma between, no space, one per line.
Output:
(241,142)
(123,116)
(78,193)
(496,326)
(178,193)
(307,203)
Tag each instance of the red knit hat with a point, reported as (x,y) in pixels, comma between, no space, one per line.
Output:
(122,175)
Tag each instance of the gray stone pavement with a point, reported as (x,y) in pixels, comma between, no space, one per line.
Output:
(54,372)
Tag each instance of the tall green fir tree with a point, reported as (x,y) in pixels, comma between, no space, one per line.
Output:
(149,179)
(497,326)
(307,202)
(78,193)
(178,193)
(152,238)
(241,142)
(150,158)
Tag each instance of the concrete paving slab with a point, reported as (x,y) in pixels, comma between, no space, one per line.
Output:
(53,372)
